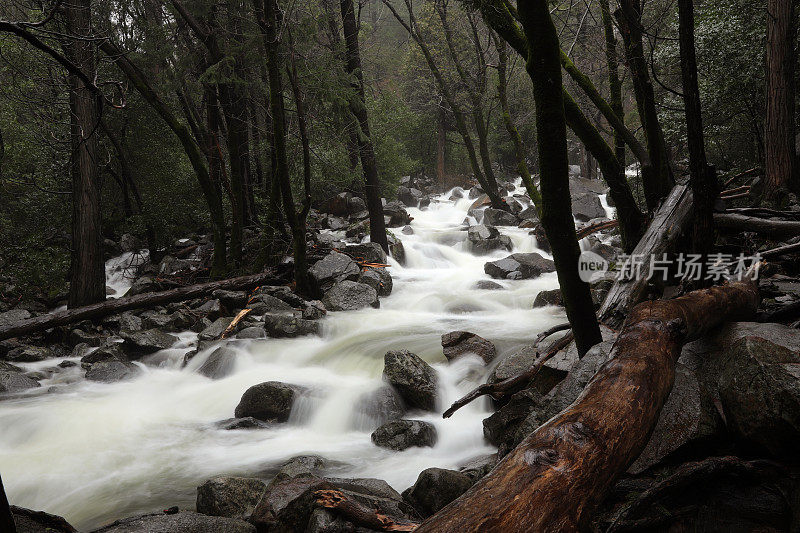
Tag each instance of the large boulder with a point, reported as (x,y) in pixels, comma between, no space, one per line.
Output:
(231,299)
(29,354)
(231,497)
(270,401)
(458,343)
(413,378)
(110,352)
(140,343)
(409,195)
(130,243)
(370,252)
(284,326)
(266,303)
(402,434)
(396,215)
(498,217)
(111,371)
(337,205)
(586,206)
(11,381)
(435,488)
(484,239)
(519,266)
(379,279)
(375,408)
(181,522)
(10,318)
(333,268)
(215,330)
(220,363)
(350,295)
(30,521)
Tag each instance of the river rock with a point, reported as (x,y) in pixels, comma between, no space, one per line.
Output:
(337,205)
(247,422)
(402,434)
(551,297)
(349,295)
(10,318)
(215,330)
(586,206)
(11,381)
(314,310)
(396,214)
(270,401)
(252,332)
(377,278)
(212,309)
(458,343)
(181,522)
(30,521)
(479,466)
(435,488)
(127,321)
(300,466)
(371,252)
(231,497)
(413,378)
(484,239)
(220,363)
(130,243)
(266,303)
(139,343)
(29,354)
(409,195)
(541,238)
(111,352)
(283,326)
(375,408)
(111,371)
(333,268)
(142,285)
(486,285)
(498,217)
(519,266)
(231,299)
(287,505)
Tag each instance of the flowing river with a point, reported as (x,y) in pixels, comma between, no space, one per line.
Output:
(96,452)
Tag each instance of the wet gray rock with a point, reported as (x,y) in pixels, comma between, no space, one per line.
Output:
(498,217)
(484,239)
(11,381)
(142,285)
(126,321)
(435,488)
(349,295)
(479,466)
(403,434)
(9,318)
(486,285)
(287,505)
(215,329)
(231,299)
(231,497)
(504,426)
(375,408)
(29,354)
(300,466)
(283,326)
(111,371)
(458,343)
(247,422)
(396,214)
(139,343)
(30,521)
(551,297)
(314,310)
(252,332)
(409,195)
(333,268)
(213,309)
(377,278)
(519,266)
(220,363)
(541,238)
(111,352)
(130,243)
(586,206)
(414,379)
(265,303)
(270,401)
(182,522)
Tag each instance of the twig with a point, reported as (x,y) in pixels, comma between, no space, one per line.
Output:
(555,329)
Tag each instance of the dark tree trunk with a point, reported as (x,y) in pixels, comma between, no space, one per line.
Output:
(544,68)
(274,68)
(87,276)
(657,179)
(441,146)
(297,92)
(702,177)
(779,130)
(614,83)
(372,186)
(6,519)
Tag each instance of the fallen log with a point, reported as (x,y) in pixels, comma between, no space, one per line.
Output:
(774,229)
(555,479)
(781,250)
(275,276)
(359,514)
(594,228)
(669,222)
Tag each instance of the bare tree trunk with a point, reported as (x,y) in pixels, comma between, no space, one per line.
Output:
(703,178)
(544,69)
(87,276)
(779,134)
(294,81)
(555,479)
(614,83)
(441,146)
(358,106)
(6,518)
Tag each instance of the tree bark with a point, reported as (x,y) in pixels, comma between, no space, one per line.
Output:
(87,276)
(441,146)
(6,518)
(774,229)
(118,305)
(702,177)
(294,81)
(544,70)
(555,479)
(779,129)
(614,83)
(358,106)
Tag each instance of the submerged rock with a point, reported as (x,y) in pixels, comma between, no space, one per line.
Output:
(458,343)
(498,217)
(377,407)
(231,497)
(11,381)
(350,296)
(484,239)
(247,422)
(283,326)
(435,488)
(519,266)
(110,371)
(413,378)
(220,363)
(181,522)
(270,401)
(402,434)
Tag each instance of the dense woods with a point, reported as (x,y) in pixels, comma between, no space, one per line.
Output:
(348,215)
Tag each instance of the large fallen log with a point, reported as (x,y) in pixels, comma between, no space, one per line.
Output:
(555,479)
(669,222)
(774,229)
(112,307)
(359,514)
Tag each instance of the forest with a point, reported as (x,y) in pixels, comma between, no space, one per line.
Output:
(384,265)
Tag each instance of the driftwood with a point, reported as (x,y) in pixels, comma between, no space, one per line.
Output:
(111,307)
(764,212)
(774,229)
(555,479)
(740,175)
(239,316)
(594,228)
(668,224)
(359,514)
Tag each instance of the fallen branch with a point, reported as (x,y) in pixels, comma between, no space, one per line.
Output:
(275,276)
(555,329)
(359,514)
(239,316)
(740,175)
(513,384)
(781,250)
(775,229)
(555,479)
(764,212)
(597,226)
(738,190)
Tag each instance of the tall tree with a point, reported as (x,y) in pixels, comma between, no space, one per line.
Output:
(779,135)
(6,518)
(702,177)
(614,82)
(358,106)
(544,69)
(87,276)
